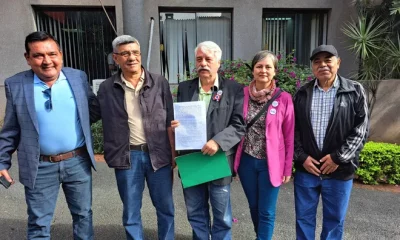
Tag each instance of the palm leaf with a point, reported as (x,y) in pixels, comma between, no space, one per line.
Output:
(366,35)
(393,56)
(395,9)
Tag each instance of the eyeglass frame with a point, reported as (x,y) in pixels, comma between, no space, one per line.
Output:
(126,54)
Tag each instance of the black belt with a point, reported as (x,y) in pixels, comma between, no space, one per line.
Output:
(142,147)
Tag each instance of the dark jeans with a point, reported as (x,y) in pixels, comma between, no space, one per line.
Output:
(75,177)
(131,185)
(335,195)
(260,193)
(198,211)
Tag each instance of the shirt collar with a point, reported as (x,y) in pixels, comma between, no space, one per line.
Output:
(127,83)
(216,83)
(37,80)
(335,83)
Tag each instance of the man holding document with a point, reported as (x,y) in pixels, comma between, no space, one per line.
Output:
(223,104)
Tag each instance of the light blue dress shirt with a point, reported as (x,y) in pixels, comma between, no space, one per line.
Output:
(60,129)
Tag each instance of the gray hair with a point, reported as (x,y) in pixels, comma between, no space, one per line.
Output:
(264,54)
(123,39)
(209,46)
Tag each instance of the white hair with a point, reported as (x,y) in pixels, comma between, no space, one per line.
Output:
(209,46)
(123,39)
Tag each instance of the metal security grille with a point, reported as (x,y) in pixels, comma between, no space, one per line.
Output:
(85,36)
(180,32)
(302,31)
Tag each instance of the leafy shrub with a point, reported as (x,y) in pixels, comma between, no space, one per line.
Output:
(97,132)
(237,70)
(379,163)
(174,92)
(291,76)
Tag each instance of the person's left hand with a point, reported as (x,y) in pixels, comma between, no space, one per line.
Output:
(328,166)
(210,148)
(286,179)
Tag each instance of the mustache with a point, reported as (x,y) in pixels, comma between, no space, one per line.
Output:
(323,69)
(203,68)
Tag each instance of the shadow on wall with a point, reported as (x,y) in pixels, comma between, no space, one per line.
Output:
(385,118)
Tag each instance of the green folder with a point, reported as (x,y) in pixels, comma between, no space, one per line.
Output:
(196,168)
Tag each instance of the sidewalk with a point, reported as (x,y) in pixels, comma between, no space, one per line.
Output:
(372,214)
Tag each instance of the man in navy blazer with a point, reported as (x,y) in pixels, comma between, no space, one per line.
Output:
(47,121)
(225,128)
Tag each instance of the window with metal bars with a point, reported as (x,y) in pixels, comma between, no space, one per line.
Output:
(299,30)
(85,36)
(181,31)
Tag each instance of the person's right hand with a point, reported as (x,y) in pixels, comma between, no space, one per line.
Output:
(310,165)
(5,173)
(174,124)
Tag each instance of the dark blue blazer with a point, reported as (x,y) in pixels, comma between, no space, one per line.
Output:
(20,129)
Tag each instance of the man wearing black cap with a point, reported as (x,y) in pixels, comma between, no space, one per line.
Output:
(331,129)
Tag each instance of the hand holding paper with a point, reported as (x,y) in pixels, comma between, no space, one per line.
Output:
(210,148)
(190,125)
(174,124)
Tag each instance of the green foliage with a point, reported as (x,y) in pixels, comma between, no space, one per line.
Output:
(237,70)
(393,55)
(379,163)
(174,92)
(366,35)
(395,8)
(291,76)
(97,132)
(374,38)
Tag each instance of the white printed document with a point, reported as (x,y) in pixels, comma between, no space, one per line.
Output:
(191,134)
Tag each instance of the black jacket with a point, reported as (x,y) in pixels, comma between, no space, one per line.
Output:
(156,105)
(346,132)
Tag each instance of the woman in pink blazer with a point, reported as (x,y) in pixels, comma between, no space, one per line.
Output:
(264,156)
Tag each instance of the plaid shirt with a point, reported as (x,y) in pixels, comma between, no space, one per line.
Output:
(321,109)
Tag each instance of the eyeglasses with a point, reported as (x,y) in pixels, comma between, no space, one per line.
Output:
(48,104)
(128,53)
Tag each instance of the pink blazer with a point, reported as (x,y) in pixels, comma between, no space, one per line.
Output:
(279,132)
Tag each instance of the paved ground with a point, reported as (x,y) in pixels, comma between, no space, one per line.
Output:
(372,214)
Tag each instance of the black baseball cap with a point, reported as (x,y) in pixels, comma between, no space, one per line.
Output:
(324,48)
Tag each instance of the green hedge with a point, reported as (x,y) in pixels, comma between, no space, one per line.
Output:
(379,163)
(97,131)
